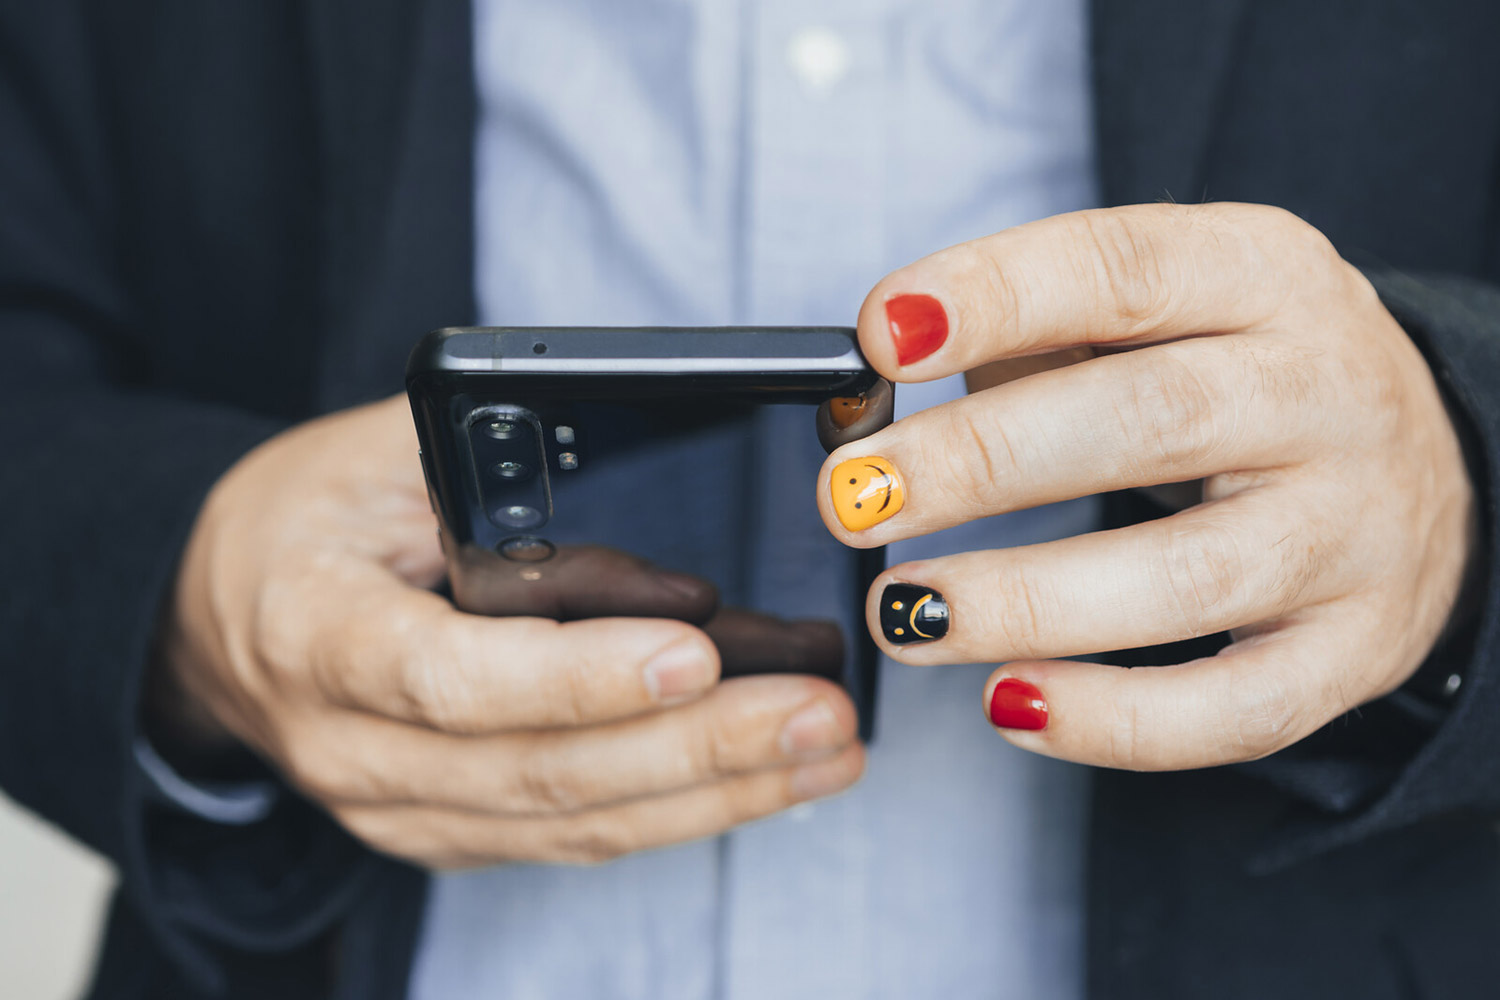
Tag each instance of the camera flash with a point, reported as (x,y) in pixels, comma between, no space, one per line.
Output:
(564,434)
(567,460)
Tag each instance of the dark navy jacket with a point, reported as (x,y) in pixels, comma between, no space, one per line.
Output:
(220,218)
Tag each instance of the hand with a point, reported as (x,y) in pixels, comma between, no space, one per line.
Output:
(1236,347)
(300,626)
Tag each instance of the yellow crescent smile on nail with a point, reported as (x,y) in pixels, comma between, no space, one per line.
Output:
(865,491)
(913,617)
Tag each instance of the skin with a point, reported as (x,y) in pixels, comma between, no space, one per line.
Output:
(301,627)
(1224,343)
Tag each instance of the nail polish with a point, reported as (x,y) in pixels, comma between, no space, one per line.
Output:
(909,614)
(865,491)
(849,418)
(845,410)
(1014,704)
(919,326)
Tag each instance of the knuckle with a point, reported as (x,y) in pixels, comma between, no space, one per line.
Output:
(279,635)
(1304,559)
(998,293)
(980,458)
(1294,244)
(1296,233)
(1125,738)
(576,679)
(718,746)
(1286,378)
(1262,717)
(596,840)
(309,766)
(429,695)
(432,689)
(1026,613)
(547,786)
(1202,567)
(1174,412)
(1126,267)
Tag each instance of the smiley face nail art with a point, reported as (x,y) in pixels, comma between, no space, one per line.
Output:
(865,491)
(909,614)
(849,418)
(844,410)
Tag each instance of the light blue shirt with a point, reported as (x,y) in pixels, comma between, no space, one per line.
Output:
(766,161)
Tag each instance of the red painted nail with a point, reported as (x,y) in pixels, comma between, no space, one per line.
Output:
(918,326)
(1017,705)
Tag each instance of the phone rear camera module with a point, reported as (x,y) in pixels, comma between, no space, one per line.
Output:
(527,549)
(503,430)
(519,516)
(513,471)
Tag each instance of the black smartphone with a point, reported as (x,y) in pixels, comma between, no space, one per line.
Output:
(579,472)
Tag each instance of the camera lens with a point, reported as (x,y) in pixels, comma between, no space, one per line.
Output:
(527,549)
(510,470)
(519,516)
(502,430)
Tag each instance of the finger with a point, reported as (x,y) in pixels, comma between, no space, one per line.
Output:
(372,643)
(1010,369)
(1111,276)
(453,839)
(1244,559)
(1256,697)
(747,725)
(753,643)
(1163,414)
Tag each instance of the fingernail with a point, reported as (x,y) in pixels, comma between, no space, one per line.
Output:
(677,672)
(865,491)
(849,418)
(815,729)
(1014,704)
(813,781)
(844,410)
(918,324)
(911,614)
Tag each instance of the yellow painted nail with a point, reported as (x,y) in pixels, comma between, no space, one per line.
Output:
(865,491)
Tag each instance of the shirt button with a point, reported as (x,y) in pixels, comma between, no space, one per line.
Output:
(819,59)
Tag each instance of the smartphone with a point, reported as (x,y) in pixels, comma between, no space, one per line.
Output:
(580,472)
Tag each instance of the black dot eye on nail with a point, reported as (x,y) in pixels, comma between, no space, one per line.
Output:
(909,613)
(853,481)
(858,505)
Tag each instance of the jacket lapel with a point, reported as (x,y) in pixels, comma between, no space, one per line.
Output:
(1159,73)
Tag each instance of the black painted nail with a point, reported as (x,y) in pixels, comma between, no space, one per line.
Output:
(912,614)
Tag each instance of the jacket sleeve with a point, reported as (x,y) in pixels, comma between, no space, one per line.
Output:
(102,476)
(1433,748)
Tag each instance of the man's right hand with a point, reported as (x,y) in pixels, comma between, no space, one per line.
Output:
(302,626)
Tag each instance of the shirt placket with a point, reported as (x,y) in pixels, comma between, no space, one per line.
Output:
(813,232)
